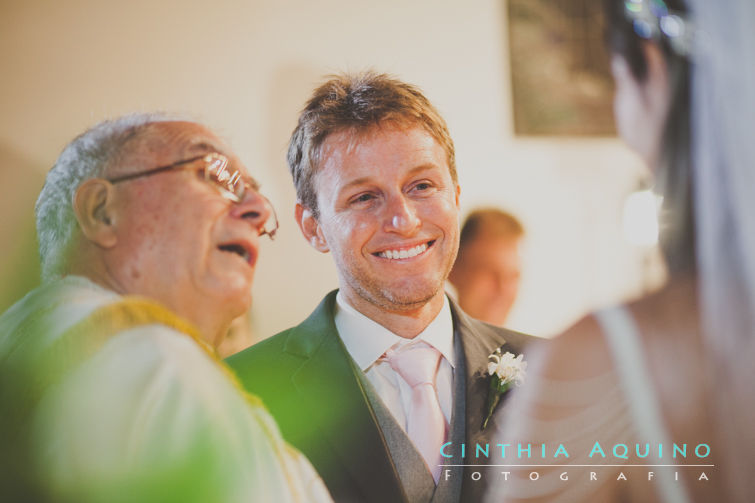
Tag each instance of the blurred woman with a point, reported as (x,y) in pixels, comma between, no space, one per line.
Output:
(634,392)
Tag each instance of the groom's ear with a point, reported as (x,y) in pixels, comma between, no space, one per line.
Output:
(310,228)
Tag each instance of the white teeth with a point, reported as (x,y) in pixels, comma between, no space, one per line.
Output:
(399,254)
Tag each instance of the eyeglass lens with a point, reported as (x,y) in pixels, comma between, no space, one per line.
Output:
(230,181)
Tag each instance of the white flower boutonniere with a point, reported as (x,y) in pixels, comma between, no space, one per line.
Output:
(504,369)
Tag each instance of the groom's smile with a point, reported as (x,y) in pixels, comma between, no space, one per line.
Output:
(388,211)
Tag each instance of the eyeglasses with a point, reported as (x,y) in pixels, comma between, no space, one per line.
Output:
(217,172)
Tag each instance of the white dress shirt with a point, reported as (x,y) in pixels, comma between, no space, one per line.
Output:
(366,341)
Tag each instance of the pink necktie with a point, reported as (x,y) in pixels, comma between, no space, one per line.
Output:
(418,364)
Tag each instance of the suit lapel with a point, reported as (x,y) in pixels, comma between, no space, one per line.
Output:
(479,340)
(334,402)
(477,344)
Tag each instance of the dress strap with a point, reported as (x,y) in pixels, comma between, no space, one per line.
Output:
(623,338)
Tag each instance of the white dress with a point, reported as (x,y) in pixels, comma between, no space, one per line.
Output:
(615,406)
(623,338)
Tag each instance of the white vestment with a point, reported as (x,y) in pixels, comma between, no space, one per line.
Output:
(139,412)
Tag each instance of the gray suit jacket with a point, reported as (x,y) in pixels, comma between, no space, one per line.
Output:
(307,379)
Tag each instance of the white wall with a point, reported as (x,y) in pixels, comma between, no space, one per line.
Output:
(246,68)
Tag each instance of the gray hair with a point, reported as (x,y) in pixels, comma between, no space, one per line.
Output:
(88,156)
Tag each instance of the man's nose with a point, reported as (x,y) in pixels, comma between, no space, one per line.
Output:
(255,209)
(401,216)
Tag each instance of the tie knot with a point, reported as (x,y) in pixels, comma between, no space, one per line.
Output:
(416,363)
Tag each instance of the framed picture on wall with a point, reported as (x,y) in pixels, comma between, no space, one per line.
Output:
(560,75)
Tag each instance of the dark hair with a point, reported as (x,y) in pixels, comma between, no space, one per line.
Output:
(358,103)
(674,180)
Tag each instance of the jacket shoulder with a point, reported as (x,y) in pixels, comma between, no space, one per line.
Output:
(266,358)
(514,341)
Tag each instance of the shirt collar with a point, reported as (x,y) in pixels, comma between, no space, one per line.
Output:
(367,340)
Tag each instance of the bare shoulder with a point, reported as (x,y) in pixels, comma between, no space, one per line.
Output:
(665,319)
(672,309)
(578,353)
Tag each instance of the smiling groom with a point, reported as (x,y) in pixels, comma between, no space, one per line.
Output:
(387,368)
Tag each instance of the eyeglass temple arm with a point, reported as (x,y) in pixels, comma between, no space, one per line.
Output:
(159,169)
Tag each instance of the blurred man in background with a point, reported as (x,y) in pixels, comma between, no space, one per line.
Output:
(488,268)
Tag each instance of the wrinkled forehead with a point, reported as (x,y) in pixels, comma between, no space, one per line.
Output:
(163,143)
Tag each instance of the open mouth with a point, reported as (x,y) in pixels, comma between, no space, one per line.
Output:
(238,250)
(405,253)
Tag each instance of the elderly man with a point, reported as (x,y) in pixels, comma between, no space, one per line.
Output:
(489,266)
(387,378)
(110,388)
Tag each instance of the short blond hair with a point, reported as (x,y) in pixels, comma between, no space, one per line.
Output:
(358,103)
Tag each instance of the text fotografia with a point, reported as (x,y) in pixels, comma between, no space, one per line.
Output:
(659,460)
(533,476)
(598,451)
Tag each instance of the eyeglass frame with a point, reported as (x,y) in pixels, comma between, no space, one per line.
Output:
(209,159)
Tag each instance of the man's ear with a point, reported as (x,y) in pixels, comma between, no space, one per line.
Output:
(93,207)
(310,227)
(458,193)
